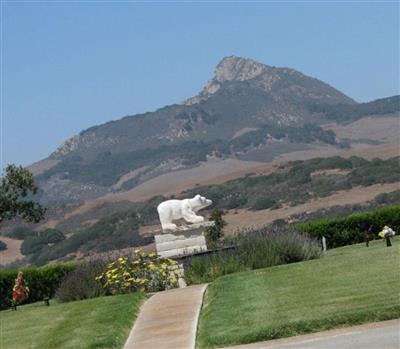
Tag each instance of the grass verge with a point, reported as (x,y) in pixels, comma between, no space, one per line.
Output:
(102,322)
(349,285)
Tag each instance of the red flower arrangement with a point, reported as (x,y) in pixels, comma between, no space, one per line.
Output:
(20,291)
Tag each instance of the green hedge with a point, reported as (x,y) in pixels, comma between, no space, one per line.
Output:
(354,228)
(42,282)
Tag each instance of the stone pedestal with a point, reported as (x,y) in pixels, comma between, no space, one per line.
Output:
(185,241)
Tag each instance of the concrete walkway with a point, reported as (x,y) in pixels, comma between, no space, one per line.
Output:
(377,335)
(168,320)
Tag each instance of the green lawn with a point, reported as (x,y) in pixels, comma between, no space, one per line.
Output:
(349,285)
(96,323)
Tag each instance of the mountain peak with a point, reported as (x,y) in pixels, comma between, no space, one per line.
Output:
(274,82)
(238,68)
(230,68)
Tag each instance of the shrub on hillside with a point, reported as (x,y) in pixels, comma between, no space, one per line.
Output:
(354,228)
(35,243)
(113,232)
(31,245)
(263,203)
(51,236)
(21,233)
(81,283)
(3,246)
(388,198)
(299,181)
(42,282)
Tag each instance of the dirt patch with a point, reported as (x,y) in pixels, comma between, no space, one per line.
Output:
(240,219)
(243,131)
(177,181)
(49,224)
(126,177)
(383,151)
(13,252)
(384,129)
(367,151)
(171,183)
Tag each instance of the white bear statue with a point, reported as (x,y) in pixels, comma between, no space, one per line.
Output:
(172,210)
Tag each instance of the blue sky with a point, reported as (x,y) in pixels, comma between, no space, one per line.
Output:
(71,65)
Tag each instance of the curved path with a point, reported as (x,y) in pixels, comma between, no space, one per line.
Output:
(168,320)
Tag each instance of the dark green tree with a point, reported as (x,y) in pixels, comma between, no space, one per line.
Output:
(3,246)
(17,185)
(215,233)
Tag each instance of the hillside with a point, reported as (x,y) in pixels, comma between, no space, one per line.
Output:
(289,191)
(247,111)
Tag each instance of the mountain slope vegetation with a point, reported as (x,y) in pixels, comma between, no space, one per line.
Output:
(291,184)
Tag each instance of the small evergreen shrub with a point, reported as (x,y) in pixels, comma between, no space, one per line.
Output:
(215,232)
(81,283)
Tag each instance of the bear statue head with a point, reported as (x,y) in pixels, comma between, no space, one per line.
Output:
(199,202)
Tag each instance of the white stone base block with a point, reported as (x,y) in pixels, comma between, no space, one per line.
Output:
(180,243)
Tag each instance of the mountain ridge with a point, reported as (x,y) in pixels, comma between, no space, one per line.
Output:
(248,110)
(230,68)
